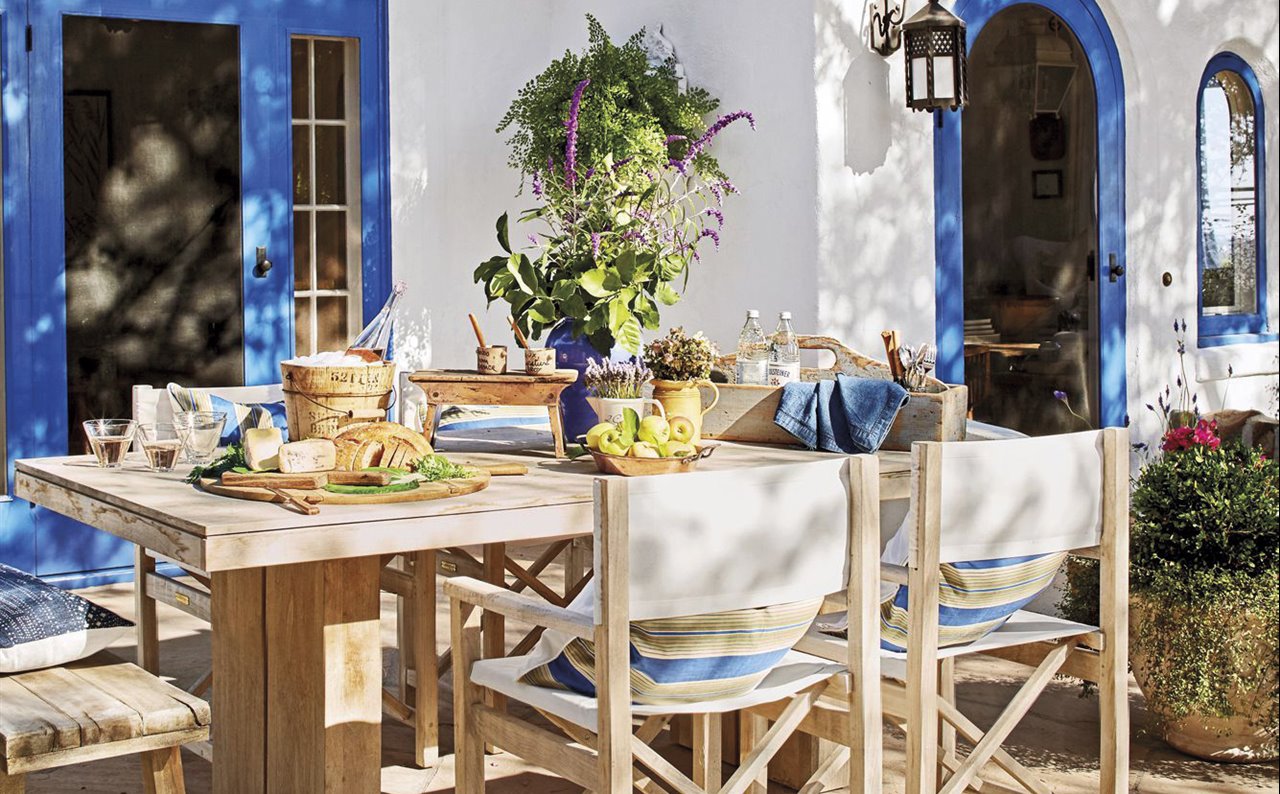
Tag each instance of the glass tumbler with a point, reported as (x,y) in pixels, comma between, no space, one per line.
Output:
(199,432)
(161,445)
(110,440)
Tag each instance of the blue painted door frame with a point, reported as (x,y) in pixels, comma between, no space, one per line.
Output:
(35,297)
(1089,25)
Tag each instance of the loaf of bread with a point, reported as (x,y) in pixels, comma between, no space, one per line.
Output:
(365,444)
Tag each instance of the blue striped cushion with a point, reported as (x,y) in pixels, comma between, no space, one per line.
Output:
(693,658)
(240,416)
(975,598)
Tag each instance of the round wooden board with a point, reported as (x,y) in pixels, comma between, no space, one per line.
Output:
(443,489)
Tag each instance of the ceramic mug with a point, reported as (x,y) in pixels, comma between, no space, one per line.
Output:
(539,360)
(609,409)
(491,360)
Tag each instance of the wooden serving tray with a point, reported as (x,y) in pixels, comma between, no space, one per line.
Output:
(443,489)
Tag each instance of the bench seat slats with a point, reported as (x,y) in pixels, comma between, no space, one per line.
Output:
(29,726)
(91,708)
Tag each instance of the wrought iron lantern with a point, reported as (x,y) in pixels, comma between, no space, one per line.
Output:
(936,61)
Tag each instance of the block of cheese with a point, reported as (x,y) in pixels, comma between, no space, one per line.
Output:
(314,454)
(262,447)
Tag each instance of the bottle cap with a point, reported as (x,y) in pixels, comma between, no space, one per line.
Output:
(753,314)
(784,315)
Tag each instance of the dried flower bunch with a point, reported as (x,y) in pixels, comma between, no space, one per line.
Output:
(681,357)
(617,380)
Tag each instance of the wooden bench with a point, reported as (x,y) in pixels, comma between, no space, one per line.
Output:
(100,707)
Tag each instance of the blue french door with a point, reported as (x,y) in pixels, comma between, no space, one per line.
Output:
(151,176)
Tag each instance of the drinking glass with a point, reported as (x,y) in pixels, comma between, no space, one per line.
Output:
(200,432)
(161,445)
(110,440)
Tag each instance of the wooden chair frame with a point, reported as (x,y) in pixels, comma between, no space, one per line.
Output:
(924,705)
(604,760)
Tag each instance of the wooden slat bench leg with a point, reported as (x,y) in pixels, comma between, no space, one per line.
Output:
(162,772)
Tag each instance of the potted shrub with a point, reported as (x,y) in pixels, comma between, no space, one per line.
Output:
(616,386)
(681,367)
(1205,589)
(617,156)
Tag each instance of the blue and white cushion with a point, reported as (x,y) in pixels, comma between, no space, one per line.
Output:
(240,416)
(692,658)
(43,626)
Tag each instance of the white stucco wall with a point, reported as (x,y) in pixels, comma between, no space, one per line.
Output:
(836,218)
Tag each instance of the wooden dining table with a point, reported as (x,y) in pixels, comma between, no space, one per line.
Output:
(296,647)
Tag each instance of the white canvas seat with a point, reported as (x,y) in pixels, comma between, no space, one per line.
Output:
(676,546)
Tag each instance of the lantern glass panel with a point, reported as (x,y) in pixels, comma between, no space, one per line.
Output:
(920,78)
(944,77)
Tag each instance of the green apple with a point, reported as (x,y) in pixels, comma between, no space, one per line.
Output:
(654,429)
(593,435)
(611,442)
(644,449)
(680,449)
(682,429)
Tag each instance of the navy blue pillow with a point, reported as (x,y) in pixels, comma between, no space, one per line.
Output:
(43,626)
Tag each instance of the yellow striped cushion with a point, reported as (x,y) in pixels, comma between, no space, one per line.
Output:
(690,658)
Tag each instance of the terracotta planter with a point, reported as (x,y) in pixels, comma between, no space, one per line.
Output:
(684,398)
(1240,739)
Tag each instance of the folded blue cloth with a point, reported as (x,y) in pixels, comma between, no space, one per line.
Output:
(849,415)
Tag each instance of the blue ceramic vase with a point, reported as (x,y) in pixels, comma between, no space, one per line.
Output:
(574,353)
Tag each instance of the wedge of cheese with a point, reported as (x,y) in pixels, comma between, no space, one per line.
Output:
(262,448)
(312,455)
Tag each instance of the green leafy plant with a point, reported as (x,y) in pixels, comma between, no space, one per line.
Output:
(620,161)
(635,107)
(680,357)
(231,459)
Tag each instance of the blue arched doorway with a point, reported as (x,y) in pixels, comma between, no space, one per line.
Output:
(1087,26)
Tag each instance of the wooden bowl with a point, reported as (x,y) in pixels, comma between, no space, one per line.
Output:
(628,466)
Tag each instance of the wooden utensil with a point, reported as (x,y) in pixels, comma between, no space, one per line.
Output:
(475,326)
(519,334)
(374,478)
(300,505)
(302,482)
(891,353)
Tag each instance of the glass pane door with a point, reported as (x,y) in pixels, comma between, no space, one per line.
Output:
(152,203)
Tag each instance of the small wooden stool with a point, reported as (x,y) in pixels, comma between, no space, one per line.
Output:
(466,387)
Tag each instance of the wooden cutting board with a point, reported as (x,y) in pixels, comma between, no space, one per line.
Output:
(443,489)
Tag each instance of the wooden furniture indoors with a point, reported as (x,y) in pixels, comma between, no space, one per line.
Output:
(645,570)
(100,707)
(1054,494)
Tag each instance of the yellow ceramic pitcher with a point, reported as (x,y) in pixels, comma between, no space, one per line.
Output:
(684,398)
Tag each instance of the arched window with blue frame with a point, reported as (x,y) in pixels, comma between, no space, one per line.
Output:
(1232,220)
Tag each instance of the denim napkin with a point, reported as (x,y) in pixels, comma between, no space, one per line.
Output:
(849,415)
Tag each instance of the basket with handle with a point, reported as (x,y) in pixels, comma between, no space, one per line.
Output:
(745,413)
(319,401)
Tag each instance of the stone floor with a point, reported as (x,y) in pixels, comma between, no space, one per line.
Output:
(1058,738)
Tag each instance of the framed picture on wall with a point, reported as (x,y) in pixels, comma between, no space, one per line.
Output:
(1046,184)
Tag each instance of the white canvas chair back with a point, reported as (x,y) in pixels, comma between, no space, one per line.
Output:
(715,541)
(152,405)
(1018,497)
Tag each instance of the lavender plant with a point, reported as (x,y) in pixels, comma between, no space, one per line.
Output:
(617,380)
(617,231)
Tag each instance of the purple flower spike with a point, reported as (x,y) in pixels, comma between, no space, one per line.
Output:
(1058,394)
(713,234)
(680,165)
(675,138)
(595,245)
(715,213)
(537,184)
(571,139)
(724,121)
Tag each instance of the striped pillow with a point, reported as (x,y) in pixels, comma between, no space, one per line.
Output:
(975,598)
(240,416)
(693,658)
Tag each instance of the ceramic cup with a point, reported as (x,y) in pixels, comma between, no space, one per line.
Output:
(491,360)
(539,360)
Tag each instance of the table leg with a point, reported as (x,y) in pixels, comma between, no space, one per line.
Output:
(299,667)
(557,428)
(493,627)
(426,704)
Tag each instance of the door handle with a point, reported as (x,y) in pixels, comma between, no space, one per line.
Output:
(1116,270)
(263,267)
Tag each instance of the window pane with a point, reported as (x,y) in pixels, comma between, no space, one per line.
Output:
(301,165)
(331,328)
(1228,196)
(331,165)
(331,250)
(330,80)
(300,78)
(302,251)
(302,327)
